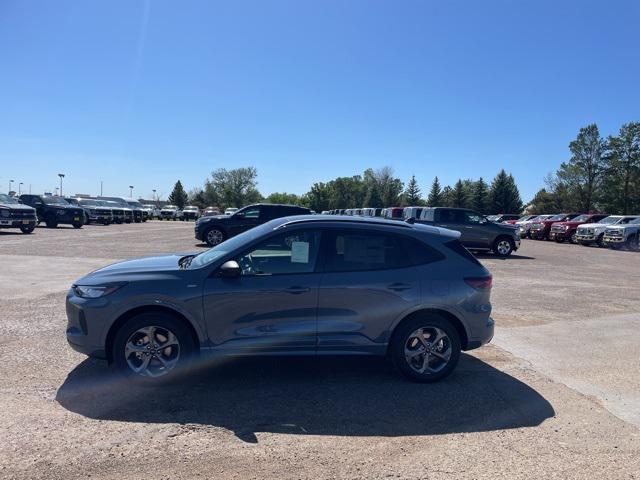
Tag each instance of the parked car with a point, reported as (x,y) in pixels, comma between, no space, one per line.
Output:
(619,236)
(54,211)
(412,212)
(170,212)
(216,229)
(14,214)
(476,232)
(152,210)
(130,214)
(561,231)
(93,211)
(119,213)
(210,211)
(590,233)
(524,226)
(504,217)
(393,213)
(190,212)
(523,218)
(140,214)
(540,229)
(371,212)
(274,291)
(230,211)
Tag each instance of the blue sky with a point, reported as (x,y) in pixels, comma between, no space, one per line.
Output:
(145,93)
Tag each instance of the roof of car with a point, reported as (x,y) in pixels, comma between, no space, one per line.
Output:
(348,219)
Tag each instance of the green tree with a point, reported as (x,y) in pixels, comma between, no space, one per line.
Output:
(284,198)
(196,197)
(582,174)
(504,194)
(623,170)
(447,197)
(319,197)
(435,198)
(480,196)
(459,195)
(178,196)
(544,202)
(232,188)
(412,193)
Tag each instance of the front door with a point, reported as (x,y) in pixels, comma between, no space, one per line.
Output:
(244,219)
(272,306)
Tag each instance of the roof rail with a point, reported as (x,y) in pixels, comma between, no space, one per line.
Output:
(351,220)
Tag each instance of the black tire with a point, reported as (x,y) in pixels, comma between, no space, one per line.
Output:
(77,224)
(633,243)
(28,230)
(105,222)
(503,246)
(573,237)
(164,322)
(560,239)
(600,240)
(212,239)
(51,222)
(404,336)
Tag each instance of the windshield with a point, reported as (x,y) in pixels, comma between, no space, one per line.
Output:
(91,203)
(54,201)
(133,203)
(4,198)
(525,218)
(493,218)
(169,207)
(557,218)
(220,250)
(581,218)
(610,220)
(635,222)
(190,208)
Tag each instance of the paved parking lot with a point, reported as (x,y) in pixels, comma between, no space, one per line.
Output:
(557,394)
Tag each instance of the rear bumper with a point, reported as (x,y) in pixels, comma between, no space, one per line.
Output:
(482,336)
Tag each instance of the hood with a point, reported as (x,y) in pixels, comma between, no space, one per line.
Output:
(569,223)
(17,206)
(138,266)
(595,225)
(218,217)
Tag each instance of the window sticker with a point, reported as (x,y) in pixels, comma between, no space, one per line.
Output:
(299,252)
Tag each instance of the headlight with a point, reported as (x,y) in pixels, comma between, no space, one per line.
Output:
(4,212)
(94,292)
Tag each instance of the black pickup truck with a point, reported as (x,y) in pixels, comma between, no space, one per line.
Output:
(15,215)
(476,231)
(54,210)
(216,229)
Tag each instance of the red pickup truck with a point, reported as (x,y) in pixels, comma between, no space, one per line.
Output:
(540,230)
(561,231)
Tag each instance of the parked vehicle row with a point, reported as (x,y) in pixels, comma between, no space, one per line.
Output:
(614,231)
(14,214)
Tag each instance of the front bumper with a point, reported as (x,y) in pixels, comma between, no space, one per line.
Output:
(586,238)
(616,240)
(17,223)
(536,234)
(558,235)
(85,326)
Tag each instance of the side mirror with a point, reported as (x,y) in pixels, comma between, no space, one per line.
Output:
(230,269)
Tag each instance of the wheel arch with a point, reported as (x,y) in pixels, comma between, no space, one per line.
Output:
(428,312)
(126,316)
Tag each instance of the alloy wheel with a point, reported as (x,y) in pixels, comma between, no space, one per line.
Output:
(503,247)
(214,237)
(428,350)
(152,351)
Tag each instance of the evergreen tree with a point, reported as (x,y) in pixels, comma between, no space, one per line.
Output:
(412,193)
(622,176)
(505,197)
(178,196)
(447,197)
(480,196)
(436,197)
(459,195)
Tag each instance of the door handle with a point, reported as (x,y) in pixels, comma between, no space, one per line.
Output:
(398,286)
(297,290)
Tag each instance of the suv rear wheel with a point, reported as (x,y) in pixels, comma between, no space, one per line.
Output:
(503,246)
(214,236)
(152,348)
(27,229)
(425,349)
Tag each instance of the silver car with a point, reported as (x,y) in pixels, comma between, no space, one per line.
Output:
(303,285)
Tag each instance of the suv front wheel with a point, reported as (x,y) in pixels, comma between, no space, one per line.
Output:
(153,347)
(214,236)
(425,349)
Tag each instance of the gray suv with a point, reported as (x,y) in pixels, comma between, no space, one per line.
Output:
(477,232)
(303,285)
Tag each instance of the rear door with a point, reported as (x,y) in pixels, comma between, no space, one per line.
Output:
(368,281)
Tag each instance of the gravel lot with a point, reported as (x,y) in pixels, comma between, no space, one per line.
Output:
(557,394)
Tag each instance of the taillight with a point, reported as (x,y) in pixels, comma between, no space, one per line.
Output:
(480,283)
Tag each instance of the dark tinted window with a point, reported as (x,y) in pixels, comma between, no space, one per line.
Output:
(457,247)
(360,251)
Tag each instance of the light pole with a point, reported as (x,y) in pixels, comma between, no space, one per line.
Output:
(131,191)
(154,195)
(61,175)
(20,188)
(10,182)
